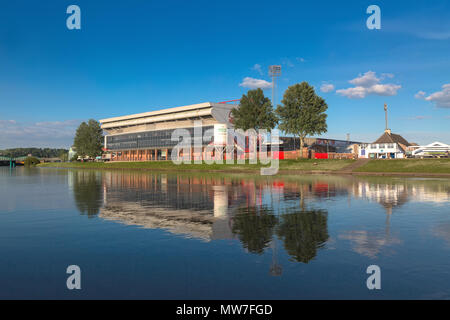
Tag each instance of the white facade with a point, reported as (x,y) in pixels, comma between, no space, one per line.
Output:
(381,151)
(434,148)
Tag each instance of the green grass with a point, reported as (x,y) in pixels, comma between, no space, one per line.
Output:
(294,165)
(407,165)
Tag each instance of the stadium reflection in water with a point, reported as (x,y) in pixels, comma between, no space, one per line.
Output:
(143,235)
(262,213)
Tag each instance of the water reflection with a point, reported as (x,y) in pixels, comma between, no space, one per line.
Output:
(254,227)
(303,233)
(264,214)
(87,191)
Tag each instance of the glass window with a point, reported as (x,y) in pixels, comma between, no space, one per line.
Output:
(149,139)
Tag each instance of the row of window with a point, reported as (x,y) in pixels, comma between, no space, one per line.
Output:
(154,139)
(379,146)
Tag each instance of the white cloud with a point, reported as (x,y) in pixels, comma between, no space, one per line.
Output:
(257,67)
(366,80)
(300,59)
(441,98)
(326,87)
(420,95)
(253,83)
(353,93)
(37,134)
(369,84)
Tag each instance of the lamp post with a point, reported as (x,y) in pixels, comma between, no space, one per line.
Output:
(274,72)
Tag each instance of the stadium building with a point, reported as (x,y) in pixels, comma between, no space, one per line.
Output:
(148,136)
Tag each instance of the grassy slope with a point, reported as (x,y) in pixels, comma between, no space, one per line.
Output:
(300,165)
(407,165)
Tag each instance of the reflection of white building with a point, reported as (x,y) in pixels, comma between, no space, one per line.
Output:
(388,195)
(395,195)
(435,148)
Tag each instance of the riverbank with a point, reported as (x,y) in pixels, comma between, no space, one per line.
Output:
(403,167)
(297,165)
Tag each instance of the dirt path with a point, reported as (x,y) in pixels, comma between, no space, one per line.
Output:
(355,165)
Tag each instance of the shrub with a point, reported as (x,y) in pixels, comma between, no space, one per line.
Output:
(31,161)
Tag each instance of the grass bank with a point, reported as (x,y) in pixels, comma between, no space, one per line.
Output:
(434,166)
(285,165)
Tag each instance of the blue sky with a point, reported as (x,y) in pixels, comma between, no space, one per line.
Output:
(135,56)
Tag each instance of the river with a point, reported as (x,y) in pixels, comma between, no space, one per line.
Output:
(144,235)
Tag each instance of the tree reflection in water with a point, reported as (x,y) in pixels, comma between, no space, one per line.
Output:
(87,191)
(302,232)
(254,227)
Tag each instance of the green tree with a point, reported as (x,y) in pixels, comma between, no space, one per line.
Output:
(63,155)
(302,112)
(89,139)
(255,112)
(31,161)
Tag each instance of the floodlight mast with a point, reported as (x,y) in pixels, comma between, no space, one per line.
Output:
(274,71)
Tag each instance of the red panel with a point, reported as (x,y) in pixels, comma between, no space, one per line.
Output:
(278,155)
(321,155)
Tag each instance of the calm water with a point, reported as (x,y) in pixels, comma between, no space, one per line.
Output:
(165,236)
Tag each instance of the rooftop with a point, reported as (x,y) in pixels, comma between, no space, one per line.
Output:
(388,137)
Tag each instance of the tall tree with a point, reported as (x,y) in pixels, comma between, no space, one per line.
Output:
(89,139)
(302,112)
(255,112)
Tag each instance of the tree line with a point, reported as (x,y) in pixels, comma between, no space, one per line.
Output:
(35,152)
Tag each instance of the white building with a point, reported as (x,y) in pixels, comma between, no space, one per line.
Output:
(388,146)
(432,149)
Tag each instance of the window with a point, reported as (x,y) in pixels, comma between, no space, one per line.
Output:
(373,146)
(150,139)
(382,146)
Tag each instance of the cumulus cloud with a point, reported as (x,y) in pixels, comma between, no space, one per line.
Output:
(300,59)
(420,95)
(327,87)
(366,80)
(257,67)
(37,134)
(369,84)
(440,98)
(253,83)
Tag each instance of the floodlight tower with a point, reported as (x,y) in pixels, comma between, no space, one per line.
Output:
(274,71)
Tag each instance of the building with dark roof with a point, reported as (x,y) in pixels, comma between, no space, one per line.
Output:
(388,146)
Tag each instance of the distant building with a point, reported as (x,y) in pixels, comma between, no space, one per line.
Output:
(388,146)
(432,149)
(72,152)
